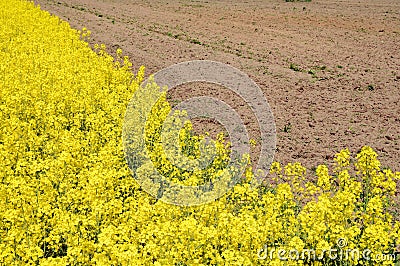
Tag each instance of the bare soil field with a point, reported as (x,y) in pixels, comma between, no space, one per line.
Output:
(330,70)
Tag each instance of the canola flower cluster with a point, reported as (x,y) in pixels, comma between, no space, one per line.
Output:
(168,159)
(67,196)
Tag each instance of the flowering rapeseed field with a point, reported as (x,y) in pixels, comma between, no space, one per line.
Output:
(68,197)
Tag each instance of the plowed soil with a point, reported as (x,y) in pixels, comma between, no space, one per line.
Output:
(330,70)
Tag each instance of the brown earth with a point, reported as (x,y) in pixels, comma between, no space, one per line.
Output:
(330,70)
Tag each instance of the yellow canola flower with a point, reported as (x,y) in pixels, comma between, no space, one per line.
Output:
(324,180)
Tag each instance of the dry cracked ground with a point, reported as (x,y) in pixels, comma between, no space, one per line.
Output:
(330,70)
